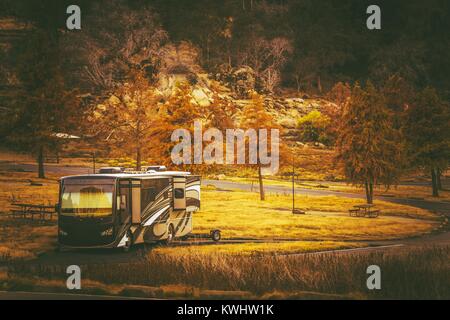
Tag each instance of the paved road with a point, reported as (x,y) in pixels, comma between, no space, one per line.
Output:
(50,168)
(442,207)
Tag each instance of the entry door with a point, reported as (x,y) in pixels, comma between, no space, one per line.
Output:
(179,193)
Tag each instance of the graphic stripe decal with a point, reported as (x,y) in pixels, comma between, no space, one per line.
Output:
(155,216)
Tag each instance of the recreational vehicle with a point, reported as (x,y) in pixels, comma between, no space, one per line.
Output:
(111,210)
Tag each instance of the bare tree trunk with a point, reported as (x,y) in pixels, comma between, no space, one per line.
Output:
(434,184)
(438,179)
(93,162)
(261,187)
(138,158)
(369,192)
(319,84)
(40,160)
(207,52)
(138,146)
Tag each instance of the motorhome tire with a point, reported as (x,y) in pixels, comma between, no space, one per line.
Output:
(129,242)
(170,234)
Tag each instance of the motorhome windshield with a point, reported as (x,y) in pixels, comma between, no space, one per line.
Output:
(87,200)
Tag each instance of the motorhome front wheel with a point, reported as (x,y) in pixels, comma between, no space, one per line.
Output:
(128,242)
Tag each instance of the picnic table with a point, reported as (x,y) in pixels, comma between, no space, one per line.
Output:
(26,209)
(364,210)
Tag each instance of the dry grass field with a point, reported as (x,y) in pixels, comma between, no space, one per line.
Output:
(242,215)
(406,274)
(23,239)
(255,248)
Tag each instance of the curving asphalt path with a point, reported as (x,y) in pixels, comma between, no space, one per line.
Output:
(441,207)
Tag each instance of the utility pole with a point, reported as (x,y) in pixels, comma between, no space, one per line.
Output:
(293,185)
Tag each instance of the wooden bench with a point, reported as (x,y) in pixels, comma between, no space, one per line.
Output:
(364,210)
(373,213)
(24,210)
(50,159)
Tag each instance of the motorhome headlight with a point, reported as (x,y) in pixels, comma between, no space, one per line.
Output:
(62,232)
(107,232)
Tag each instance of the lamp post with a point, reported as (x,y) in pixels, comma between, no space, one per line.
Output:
(294,211)
(293,185)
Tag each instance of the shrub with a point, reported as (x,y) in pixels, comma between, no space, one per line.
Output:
(314,128)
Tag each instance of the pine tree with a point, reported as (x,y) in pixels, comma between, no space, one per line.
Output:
(178,112)
(428,135)
(47,106)
(126,118)
(369,148)
(221,114)
(255,116)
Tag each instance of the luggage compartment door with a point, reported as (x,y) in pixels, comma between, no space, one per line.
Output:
(179,193)
(136,202)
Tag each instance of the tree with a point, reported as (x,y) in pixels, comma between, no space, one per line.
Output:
(222,112)
(369,148)
(428,134)
(222,115)
(116,39)
(46,106)
(255,116)
(338,97)
(178,112)
(266,58)
(125,119)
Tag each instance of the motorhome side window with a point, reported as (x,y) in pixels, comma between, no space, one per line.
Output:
(153,189)
(179,193)
(147,195)
(163,186)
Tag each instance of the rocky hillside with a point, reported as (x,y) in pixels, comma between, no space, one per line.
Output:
(285,109)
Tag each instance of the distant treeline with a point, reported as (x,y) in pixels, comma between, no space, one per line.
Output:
(322,42)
